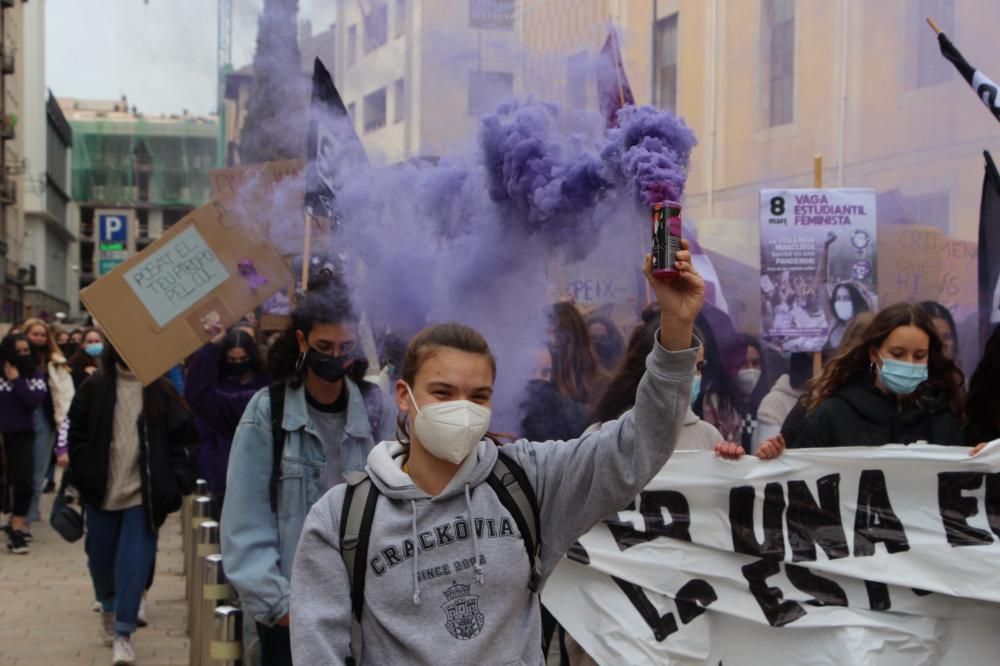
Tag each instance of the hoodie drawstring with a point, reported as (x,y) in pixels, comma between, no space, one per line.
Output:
(478,567)
(416,556)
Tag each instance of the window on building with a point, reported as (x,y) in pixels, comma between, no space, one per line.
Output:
(352,45)
(666,63)
(374,110)
(778,61)
(930,68)
(399,19)
(491,14)
(487,90)
(931,210)
(578,80)
(398,100)
(377,27)
(142,217)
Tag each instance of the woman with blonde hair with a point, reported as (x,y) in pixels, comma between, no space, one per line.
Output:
(53,413)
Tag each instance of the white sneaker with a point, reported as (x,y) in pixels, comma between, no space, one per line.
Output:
(122,653)
(96,607)
(142,619)
(107,632)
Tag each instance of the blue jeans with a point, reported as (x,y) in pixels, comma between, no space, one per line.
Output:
(44,441)
(120,551)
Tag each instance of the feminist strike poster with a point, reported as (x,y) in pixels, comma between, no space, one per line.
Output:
(818,265)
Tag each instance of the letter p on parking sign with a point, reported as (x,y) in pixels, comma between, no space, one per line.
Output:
(113,228)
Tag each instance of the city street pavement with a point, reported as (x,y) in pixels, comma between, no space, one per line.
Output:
(46,597)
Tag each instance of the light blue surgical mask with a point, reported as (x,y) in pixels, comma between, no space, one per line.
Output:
(94,349)
(695,388)
(900,377)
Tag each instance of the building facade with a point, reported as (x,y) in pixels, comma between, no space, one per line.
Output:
(133,176)
(13,273)
(51,219)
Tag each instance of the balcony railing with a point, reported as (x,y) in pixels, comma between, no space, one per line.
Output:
(7,61)
(7,131)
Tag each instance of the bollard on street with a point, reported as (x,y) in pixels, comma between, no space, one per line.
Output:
(200,489)
(206,544)
(216,592)
(227,638)
(201,510)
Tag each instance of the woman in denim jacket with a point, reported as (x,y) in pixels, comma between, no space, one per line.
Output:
(331,420)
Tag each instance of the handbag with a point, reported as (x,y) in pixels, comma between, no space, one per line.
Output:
(66,520)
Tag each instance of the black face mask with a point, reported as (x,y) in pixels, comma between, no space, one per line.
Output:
(38,348)
(329,368)
(69,348)
(606,350)
(25,363)
(237,368)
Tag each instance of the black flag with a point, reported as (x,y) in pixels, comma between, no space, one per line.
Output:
(334,147)
(984,87)
(989,251)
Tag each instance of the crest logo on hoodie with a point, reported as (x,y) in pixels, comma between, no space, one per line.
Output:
(463,619)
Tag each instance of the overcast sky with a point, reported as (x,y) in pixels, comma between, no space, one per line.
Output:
(161,53)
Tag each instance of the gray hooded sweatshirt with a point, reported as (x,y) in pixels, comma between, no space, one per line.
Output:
(447,577)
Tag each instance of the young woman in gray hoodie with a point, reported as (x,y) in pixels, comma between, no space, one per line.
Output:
(448,579)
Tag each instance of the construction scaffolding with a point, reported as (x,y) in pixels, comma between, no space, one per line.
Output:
(162,161)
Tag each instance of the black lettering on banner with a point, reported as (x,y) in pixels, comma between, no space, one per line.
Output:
(810,523)
(693,598)
(741,505)
(878,595)
(955,508)
(777,205)
(771,600)
(988,93)
(824,591)
(993,502)
(578,553)
(652,505)
(662,625)
(875,520)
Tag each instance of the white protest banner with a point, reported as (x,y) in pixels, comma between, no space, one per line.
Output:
(859,555)
(817,264)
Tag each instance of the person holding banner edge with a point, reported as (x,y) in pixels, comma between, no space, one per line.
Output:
(435,479)
(895,385)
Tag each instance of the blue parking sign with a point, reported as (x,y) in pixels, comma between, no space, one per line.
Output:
(113,228)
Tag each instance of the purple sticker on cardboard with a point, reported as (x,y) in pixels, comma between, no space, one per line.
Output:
(249,273)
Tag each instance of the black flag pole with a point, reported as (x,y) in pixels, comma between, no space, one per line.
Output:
(984,87)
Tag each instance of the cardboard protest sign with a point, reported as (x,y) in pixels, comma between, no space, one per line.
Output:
(817,264)
(910,260)
(209,268)
(823,552)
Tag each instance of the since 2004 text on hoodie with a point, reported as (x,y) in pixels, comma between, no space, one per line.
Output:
(426,600)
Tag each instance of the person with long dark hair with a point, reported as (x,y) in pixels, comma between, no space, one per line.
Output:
(982,407)
(129,459)
(607,340)
(87,359)
(576,369)
(944,324)
(311,429)
(222,378)
(721,401)
(23,390)
(895,385)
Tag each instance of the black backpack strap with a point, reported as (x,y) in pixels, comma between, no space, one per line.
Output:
(516,494)
(276,391)
(356,519)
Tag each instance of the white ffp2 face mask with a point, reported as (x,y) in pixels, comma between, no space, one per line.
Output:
(450,430)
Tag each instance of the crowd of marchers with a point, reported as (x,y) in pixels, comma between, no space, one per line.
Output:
(372,515)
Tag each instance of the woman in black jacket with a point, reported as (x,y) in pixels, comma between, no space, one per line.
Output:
(894,386)
(983,405)
(129,458)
